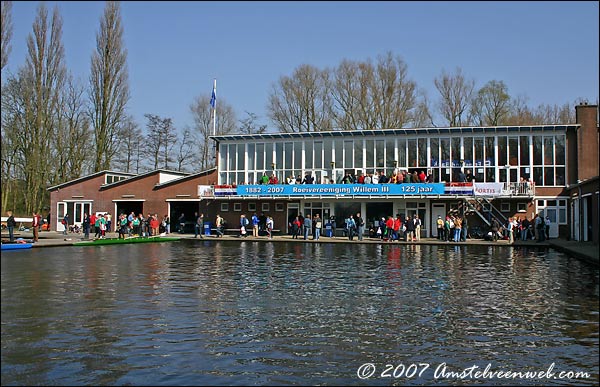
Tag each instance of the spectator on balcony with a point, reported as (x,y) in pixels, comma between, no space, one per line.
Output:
(375,178)
(422,176)
(308,178)
(430,177)
(368,179)
(298,179)
(360,179)
(291,179)
(273,179)
(462,178)
(383,179)
(264,179)
(470,178)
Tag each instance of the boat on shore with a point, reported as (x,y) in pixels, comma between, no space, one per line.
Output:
(16,246)
(117,241)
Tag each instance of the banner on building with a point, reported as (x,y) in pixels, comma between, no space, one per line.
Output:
(206,191)
(458,189)
(488,189)
(340,189)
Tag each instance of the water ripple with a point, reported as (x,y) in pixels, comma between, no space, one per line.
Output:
(247,313)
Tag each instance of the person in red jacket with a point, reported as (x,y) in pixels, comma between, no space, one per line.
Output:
(389,228)
(397,226)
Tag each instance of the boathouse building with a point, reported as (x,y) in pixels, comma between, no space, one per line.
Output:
(517,171)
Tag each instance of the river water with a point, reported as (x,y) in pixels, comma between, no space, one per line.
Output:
(261,313)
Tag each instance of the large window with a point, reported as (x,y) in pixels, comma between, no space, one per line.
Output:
(370,153)
(260,157)
(358,154)
(412,153)
(379,154)
(422,149)
(390,153)
(319,155)
(549,160)
(468,151)
(348,154)
(402,152)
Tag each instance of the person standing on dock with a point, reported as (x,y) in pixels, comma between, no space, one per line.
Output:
(182,223)
(350,226)
(197,225)
(65,223)
(35,225)
(318,224)
(360,226)
(86,226)
(243,224)
(307,226)
(11,223)
(219,225)
(270,226)
(255,222)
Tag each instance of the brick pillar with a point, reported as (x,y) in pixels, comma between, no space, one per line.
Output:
(587,141)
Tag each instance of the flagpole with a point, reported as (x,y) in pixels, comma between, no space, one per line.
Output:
(215,108)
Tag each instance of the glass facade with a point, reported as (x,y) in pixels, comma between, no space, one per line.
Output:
(490,157)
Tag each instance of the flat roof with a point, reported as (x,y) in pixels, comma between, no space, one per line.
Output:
(392,132)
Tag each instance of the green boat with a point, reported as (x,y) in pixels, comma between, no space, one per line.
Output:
(117,241)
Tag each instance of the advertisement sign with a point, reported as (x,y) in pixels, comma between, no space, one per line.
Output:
(488,189)
(205,191)
(340,189)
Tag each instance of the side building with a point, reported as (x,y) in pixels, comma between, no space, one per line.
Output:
(517,171)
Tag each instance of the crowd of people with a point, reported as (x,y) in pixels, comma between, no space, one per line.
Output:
(516,228)
(131,225)
(398,176)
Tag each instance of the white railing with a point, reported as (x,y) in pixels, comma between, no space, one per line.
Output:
(518,189)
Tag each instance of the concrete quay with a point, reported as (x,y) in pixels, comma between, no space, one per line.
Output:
(586,251)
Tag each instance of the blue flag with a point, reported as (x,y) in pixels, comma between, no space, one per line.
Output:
(213,98)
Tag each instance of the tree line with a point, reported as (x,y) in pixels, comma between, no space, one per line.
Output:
(366,95)
(55,128)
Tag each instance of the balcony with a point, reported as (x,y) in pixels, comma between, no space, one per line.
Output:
(407,190)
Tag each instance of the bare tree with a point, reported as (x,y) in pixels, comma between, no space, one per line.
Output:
(422,116)
(128,157)
(13,122)
(109,89)
(45,73)
(491,104)
(33,106)
(6,28)
(554,114)
(301,103)
(203,127)
(69,147)
(455,92)
(249,126)
(186,146)
(161,138)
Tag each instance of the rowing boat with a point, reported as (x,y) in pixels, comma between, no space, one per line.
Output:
(16,246)
(117,241)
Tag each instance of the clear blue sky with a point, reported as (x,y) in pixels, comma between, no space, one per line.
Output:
(547,51)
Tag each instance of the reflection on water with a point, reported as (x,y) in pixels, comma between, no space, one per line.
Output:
(212,312)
